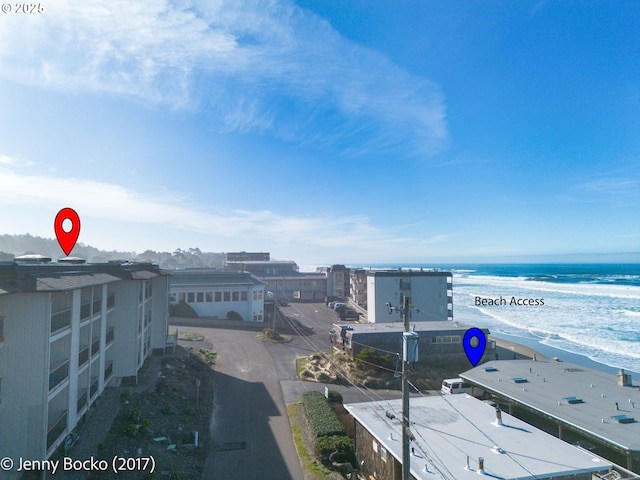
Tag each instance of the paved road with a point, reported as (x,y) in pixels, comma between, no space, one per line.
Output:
(250,430)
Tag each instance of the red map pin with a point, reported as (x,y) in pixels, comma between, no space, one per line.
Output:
(67,240)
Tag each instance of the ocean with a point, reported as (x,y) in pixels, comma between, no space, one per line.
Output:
(585,309)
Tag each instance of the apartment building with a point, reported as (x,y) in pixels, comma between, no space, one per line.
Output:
(430,294)
(67,331)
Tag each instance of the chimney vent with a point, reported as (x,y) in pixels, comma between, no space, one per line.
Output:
(498,416)
(624,379)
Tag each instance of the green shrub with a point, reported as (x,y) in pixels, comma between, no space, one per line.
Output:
(368,357)
(322,419)
(325,446)
(335,397)
(182,309)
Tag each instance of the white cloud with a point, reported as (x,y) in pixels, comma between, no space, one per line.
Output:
(266,66)
(114,209)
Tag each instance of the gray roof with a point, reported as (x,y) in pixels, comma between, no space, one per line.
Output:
(449,428)
(549,387)
(18,277)
(395,327)
(408,273)
(202,278)
(71,282)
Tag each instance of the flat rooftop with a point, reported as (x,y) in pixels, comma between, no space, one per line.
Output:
(202,278)
(450,428)
(579,397)
(436,325)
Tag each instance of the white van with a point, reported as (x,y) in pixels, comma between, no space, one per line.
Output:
(453,386)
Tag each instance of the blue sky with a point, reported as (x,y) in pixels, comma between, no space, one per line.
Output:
(327,132)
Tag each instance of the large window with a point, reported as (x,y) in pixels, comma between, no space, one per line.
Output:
(236,296)
(200,297)
(227,296)
(243,296)
(209,297)
(218,296)
(191,297)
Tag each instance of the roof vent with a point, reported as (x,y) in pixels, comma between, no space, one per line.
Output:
(32,258)
(490,369)
(573,400)
(73,260)
(623,419)
(519,380)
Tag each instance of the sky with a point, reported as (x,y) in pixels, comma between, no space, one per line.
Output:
(327,132)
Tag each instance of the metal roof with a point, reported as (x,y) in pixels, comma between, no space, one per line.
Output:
(549,388)
(435,325)
(209,278)
(450,428)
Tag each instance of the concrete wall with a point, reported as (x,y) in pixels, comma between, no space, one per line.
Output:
(429,296)
(24,361)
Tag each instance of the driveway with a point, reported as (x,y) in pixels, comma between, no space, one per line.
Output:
(250,430)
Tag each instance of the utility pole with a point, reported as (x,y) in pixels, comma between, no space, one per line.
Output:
(409,355)
(406,457)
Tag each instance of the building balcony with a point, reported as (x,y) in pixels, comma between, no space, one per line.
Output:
(110,335)
(85,311)
(82,401)
(111,301)
(60,320)
(83,356)
(58,375)
(56,430)
(95,347)
(93,389)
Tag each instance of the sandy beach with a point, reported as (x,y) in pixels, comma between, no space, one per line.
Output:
(510,347)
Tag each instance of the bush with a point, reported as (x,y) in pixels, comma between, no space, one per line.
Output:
(182,309)
(368,357)
(325,446)
(335,397)
(322,419)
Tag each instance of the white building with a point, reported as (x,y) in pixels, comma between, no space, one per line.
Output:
(430,294)
(66,332)
(460,437)
(214,293)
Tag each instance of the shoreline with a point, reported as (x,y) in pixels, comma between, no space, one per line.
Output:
(507,345)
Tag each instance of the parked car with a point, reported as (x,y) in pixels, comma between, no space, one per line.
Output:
(339,305)
(453,386)
(350,313)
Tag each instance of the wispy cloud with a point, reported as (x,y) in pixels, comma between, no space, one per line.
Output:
(258,66)
(116,208)
(611,186)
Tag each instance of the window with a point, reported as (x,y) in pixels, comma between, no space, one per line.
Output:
(1,329)
(218,296)
(383,454)
(243,296)
(227,296)
(180,297)
(209,297)
(236,296)
(190,297)
(172,298)
(200,297)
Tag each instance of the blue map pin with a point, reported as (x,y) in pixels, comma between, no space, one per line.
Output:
(474,353)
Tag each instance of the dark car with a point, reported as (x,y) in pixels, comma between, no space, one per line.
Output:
(349,313)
